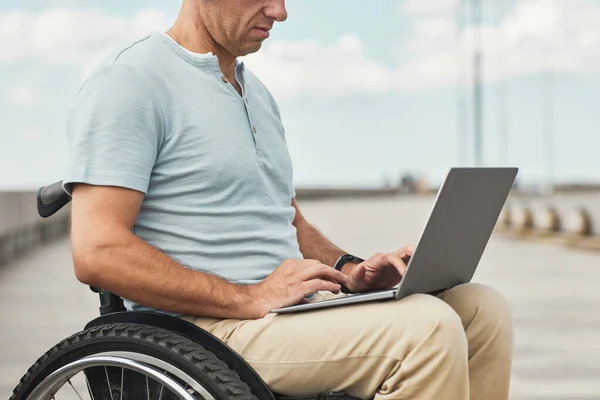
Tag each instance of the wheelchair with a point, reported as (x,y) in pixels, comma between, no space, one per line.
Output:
(127,355)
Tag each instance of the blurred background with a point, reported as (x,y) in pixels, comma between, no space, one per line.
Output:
(379,99)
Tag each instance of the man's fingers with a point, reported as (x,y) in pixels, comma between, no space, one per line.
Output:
(406,251)
(397,262)
(325,272)
(359,272)
(317,285)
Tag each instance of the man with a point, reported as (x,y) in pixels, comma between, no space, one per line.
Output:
(183,203)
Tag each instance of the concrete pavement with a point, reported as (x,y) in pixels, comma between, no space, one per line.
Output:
(554,290)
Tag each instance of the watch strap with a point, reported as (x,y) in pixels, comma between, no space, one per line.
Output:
(343,260)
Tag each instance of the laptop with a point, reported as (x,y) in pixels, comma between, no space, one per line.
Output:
(463,217)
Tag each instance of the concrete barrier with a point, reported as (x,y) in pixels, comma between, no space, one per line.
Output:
(577,214)
(521,217)
(573,216)
(21,228)
(543,215)
(579,222)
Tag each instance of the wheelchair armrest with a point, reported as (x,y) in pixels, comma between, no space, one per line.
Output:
(51,198)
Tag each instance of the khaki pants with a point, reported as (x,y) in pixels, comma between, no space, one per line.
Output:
(456,346)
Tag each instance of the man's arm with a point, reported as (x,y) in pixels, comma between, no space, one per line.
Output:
(381,271)
(107,254)
(314,245)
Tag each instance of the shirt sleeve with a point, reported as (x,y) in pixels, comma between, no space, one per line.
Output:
(114,130)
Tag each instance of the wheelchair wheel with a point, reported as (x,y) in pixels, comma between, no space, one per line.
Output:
(130,362)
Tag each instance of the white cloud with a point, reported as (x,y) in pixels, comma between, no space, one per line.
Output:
(66,36)
(429,6)
(540,35)
(24,95)
(293,68)
(32,135)
(535,36)
(431,33)
(27,92)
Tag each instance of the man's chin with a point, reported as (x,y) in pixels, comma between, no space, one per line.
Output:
(251,48)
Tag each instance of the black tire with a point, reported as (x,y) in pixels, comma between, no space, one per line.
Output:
(190,357)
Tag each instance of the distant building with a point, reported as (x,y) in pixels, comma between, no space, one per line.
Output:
(409,183)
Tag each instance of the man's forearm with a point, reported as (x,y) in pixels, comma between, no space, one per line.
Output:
(131,268)
(314,245)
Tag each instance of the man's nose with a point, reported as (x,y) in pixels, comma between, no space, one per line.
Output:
(276,10)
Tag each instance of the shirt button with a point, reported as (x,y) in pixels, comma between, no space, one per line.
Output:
(225,79)
(254,129)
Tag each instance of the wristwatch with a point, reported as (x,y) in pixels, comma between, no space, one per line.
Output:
(346,258)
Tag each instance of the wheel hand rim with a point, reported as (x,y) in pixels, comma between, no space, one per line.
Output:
(53,382)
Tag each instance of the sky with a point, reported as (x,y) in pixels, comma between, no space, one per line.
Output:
(368,91)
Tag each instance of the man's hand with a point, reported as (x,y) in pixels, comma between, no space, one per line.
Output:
(292,281)
(382,271)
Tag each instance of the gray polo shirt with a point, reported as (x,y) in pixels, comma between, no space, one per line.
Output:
(214,165)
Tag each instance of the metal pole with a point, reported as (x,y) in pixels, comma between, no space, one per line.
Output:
(461,102)
(503,125)
(548,124)
(503,112)
(477,86)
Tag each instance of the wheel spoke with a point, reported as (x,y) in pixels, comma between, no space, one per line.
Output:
(108,381)
(161,390)
(122,372)
(76,392)
(89,388)
(147,388)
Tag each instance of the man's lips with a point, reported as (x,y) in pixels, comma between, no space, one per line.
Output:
(262,31)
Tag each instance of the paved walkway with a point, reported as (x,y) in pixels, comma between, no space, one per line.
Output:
(555,292)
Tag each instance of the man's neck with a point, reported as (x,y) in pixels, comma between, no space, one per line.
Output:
(190,33)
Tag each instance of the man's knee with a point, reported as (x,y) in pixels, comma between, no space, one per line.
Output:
(476,301)
(486,317)
(436,326)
